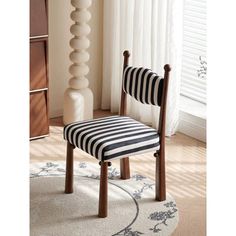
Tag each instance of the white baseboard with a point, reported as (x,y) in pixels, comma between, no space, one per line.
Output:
(192,126)
(55,113)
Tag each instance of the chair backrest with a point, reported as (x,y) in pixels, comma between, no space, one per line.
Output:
(146,87)
(143,84)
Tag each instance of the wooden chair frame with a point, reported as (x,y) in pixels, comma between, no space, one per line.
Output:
(160,182)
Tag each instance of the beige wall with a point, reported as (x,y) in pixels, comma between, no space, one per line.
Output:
(59,49)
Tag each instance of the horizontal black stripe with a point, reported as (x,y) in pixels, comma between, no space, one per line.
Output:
(125,131)
(129,142)
(131,151)
(99,126)
(91,122)
(103,127)
(123,143)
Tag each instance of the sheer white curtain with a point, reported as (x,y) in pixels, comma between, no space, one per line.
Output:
(152,31)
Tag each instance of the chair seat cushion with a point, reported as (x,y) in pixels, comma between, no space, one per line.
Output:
(112,137)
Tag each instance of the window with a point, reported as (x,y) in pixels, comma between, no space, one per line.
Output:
(194,65)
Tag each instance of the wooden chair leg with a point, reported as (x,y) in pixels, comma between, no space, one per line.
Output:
(124,168)
(160,176)
(69,169)
(102,211)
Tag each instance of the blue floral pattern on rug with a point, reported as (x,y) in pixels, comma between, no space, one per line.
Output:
(129,232)
(163,216)
(138,193)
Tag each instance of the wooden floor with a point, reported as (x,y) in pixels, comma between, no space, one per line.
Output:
(185,167)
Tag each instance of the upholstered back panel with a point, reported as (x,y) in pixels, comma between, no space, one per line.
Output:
(143,84)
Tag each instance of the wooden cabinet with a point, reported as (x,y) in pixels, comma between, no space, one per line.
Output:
(39,122)
(38,114)
(38,18)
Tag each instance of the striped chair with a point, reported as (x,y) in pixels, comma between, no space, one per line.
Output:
(118,137)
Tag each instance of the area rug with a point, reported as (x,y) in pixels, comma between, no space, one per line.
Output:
(132,210)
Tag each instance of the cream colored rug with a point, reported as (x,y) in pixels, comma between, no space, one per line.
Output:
(132,210)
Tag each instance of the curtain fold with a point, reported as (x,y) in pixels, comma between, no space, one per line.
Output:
(152,31)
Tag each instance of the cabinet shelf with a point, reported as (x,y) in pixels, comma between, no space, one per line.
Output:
(39,121)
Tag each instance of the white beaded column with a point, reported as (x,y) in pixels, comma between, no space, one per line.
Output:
(78,98)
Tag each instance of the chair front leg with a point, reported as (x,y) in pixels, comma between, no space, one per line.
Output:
(102,211)
(69,169)
(160,176)
(124,168)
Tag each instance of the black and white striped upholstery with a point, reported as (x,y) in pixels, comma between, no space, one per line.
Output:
(143,84)
(112,137)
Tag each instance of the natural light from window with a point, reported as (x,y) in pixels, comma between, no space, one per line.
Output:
(194,64)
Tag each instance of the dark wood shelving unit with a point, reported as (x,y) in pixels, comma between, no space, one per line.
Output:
(39,120)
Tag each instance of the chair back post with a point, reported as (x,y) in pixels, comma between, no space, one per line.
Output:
(160,161)
(162,117)
(126,55)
